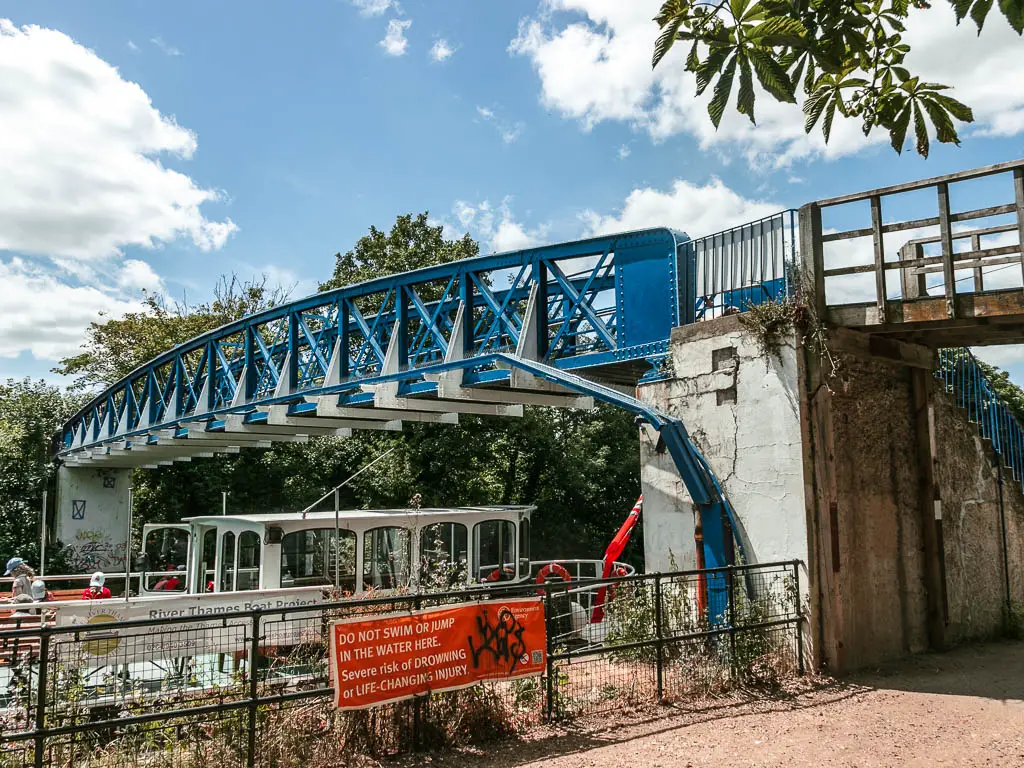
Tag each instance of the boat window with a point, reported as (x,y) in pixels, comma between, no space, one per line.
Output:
(524,548)
(387,557)
(248,560)
(494,547)
(208,565)
(167,550)
(227,562)
(443,548)
(311,558)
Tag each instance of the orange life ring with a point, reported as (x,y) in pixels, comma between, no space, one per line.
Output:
(557,569)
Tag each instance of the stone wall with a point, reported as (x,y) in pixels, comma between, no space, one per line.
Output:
(972,529)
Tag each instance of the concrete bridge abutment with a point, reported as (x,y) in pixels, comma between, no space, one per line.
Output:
(871,477)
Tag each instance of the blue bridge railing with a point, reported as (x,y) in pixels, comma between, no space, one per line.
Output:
(964,379)
(740,267)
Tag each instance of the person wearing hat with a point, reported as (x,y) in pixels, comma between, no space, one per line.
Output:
(96,590)
(23,574)
(21,603)
(40,593)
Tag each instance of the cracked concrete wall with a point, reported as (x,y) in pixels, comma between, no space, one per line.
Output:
(743,413)
(972,532)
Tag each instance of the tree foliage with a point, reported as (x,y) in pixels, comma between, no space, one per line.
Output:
(114,348)
(848,59)
(31,412)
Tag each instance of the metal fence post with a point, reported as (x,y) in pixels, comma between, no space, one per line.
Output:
(548,625)
(254,660)
(799,617)
(417,702)
(44,668)
(658,634)
(730,583)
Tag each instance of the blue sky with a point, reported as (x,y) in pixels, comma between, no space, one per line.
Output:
(205,138)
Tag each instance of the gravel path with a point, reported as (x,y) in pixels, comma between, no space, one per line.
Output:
(963,708)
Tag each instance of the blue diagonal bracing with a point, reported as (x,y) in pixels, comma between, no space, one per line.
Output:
(474,336)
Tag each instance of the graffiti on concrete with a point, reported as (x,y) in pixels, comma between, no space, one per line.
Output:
(94,551)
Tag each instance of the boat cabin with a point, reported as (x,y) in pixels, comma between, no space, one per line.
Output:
(356,550)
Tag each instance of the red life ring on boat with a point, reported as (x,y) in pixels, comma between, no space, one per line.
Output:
(557,569)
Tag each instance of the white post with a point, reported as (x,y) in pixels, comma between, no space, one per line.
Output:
(224,502)
(337,540)
(128,546)
(42,538)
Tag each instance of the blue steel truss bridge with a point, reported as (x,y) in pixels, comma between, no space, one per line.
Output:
(566,324)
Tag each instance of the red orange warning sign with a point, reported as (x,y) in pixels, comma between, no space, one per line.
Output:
(380,659)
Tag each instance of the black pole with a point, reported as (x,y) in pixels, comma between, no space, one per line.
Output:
(730,576)
(417,702)
(254,658)
(550,661)
(659,646)
(799,617)
(1002,525)
(44,667)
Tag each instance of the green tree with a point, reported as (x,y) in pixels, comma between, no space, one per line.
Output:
(31,412)
(411,244)
(113,348)
(847,57)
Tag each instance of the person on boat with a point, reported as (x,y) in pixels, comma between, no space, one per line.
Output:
(96,590)
(170,582)
(23,575)
(40,593)
(21,603)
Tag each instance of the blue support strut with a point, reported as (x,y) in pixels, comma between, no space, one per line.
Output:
(717,517)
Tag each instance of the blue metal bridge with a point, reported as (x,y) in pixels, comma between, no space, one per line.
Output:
(558,325)
(563,325)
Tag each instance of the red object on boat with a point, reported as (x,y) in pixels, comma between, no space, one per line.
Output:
(613,553)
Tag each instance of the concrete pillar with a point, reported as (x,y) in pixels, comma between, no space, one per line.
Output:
(92,518)
(743,412)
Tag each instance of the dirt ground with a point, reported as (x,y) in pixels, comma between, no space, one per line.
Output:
(962,708)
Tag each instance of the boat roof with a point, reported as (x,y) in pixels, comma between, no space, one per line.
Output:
(362,514)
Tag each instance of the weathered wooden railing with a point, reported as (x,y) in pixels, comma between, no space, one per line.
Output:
(911,301)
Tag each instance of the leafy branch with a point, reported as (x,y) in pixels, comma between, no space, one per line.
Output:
(848,59)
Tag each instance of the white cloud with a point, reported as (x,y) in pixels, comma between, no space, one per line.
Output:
(593,63)
(624,152)
(45,316)
(84,153)
(700,210)
(170,50)
(496,229)
(132,46)
(441,50)
(1004,355)
(374,7)
(509,132)
(395,41)
(137,275)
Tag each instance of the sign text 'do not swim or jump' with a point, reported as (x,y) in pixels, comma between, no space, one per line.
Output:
(381,659)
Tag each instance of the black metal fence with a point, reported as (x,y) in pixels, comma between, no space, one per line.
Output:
(253,688)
